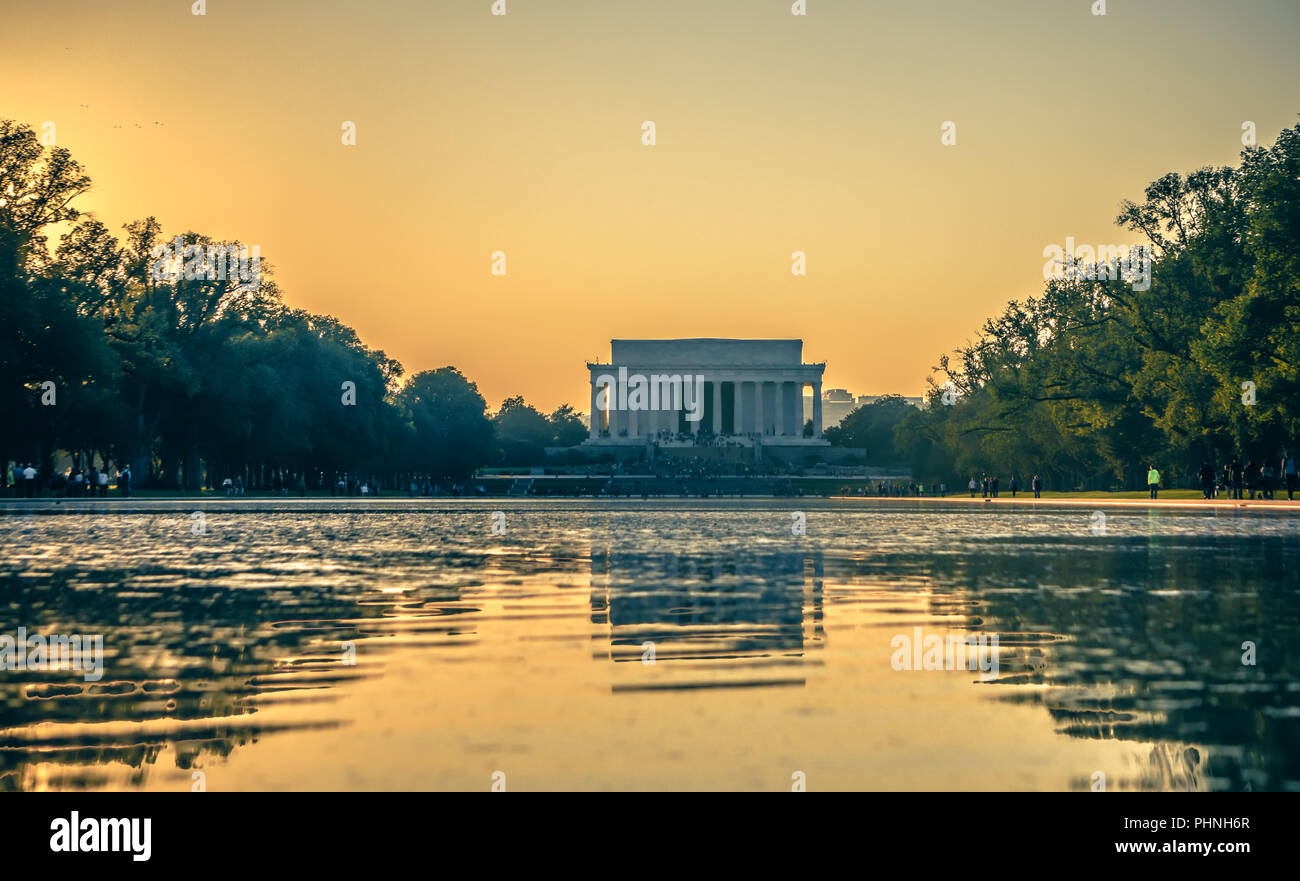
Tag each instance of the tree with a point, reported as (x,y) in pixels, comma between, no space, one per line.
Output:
(165,355)
(1098,376)
(522,433)
(871,427)
(450,436)
(44,337)
(568,426)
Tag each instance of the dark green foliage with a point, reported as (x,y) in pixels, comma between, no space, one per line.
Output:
(1093,380)
(193,380)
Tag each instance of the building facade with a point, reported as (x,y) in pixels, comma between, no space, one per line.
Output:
(671,390)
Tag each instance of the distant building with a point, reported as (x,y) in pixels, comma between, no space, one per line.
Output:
(838,403)
(672,391)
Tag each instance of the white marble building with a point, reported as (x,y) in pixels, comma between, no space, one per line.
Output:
(749,390)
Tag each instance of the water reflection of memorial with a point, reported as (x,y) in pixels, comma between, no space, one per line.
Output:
(711,620)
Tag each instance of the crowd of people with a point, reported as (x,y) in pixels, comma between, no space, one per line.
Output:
(1254,480)
(990,486)
(1257,479)
(75,482)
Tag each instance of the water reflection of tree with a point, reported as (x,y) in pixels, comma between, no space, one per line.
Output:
(219,648)
(1142,641)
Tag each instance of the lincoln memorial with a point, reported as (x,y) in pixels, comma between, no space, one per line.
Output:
(674,391)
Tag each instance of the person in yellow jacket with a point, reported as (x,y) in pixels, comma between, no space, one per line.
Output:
(1153,481)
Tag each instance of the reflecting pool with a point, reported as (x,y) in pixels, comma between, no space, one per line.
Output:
(628,644)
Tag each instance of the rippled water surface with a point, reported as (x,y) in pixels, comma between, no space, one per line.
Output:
(614,645)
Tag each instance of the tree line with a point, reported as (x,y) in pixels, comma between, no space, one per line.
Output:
(1094,379)
(189,377)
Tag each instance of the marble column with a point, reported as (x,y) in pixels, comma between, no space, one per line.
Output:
(759,421)
(717,406)
(595,412)
(778,399)
(738,409)
(817,409)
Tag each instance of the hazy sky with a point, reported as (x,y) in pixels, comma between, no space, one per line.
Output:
(522,133)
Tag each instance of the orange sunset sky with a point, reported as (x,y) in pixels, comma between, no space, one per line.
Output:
(522,133)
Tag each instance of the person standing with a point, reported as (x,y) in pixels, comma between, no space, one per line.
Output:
(1287,471)
(1207,479)
(1013,486)
(972,487)
(1153,480)
(103,482)
(993,486)
(1234,478)
(1037,484)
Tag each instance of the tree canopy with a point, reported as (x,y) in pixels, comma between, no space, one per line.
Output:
(1094,379)
(163,360)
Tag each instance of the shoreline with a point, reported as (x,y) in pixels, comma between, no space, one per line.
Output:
(310,504)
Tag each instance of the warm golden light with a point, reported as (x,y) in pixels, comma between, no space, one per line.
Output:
(522,133)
